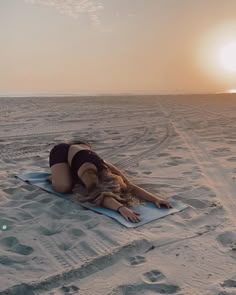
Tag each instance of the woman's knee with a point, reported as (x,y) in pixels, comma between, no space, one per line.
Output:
(62,187)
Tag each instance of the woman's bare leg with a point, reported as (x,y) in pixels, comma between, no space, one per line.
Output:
(61,178)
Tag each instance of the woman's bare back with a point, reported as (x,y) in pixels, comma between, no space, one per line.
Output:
(73,149)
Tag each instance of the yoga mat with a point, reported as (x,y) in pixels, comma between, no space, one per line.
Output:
(148,212)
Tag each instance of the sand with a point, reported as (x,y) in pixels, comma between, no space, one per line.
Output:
(181,147)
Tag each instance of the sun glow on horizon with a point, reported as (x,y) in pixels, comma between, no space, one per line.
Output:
(216,55)
(228,57)
(232,91)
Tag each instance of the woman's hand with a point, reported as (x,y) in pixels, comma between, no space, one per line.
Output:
(163,202)
(130,215)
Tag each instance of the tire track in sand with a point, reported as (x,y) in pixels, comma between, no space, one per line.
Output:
(21,151)
(161,144)
(47,283)
(213,172)
(139,138)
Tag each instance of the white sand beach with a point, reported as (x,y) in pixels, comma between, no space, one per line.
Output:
(180,147)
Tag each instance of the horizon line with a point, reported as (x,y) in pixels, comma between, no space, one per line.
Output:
(110,94)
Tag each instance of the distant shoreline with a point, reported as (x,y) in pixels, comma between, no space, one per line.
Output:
(113,95)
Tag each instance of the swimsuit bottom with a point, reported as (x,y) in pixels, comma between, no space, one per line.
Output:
(59,154)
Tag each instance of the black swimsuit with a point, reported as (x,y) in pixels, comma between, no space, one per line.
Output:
(59,154)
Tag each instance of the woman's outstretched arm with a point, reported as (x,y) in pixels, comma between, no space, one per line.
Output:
(144,195)
(138,191)
(111,203)
(118,172)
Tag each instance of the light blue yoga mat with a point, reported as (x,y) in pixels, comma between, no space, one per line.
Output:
(148,212)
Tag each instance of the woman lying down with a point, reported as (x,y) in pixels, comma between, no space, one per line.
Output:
(98,182)
(110,188)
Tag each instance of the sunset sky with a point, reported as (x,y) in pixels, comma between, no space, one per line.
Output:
(117,46)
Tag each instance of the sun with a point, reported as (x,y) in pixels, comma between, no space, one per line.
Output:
(232,91)
(227,57)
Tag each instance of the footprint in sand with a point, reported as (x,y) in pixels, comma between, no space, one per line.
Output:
(32,208)
(12,190)
(46,200)
(201,190)
(65,246)
(9,262)
(147,172)
(153,276)
(221,152)
(13,204)
(84,217)
(21,216)
(152,140)
(70,289)
(232,159)
(176,158)
(230,286)
(136,260)
(186,215)
(12,244)
(198,204)
(173,163)
(195,203)
(142,288)
(116,138)
(228,240)
(187,172)
(153,186)
(49,231)
(231,141)
(59,208)
(113,132)
(184,189)
(76,232)
(163,154)
(180,148)
(66,290)
(91,224)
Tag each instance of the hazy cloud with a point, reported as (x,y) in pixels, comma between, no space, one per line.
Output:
(75,8)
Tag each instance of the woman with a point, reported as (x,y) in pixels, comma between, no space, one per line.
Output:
(75,162)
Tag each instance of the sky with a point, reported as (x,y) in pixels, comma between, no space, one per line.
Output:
(84,47)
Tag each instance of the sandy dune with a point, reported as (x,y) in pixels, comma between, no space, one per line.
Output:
(178,146)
